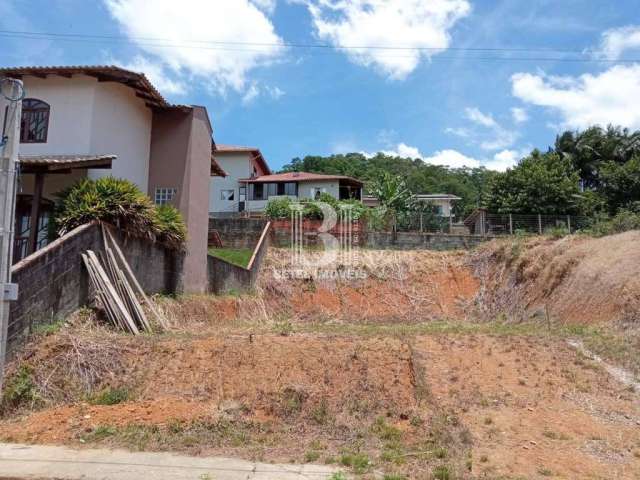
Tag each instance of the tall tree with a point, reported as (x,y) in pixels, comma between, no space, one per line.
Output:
(544,183)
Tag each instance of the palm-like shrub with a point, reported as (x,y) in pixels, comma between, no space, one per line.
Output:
(172,228)
(119,202)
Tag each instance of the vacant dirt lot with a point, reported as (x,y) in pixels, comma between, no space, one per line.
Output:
(397,373)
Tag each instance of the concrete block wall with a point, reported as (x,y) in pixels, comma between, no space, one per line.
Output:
(238,232)
(53,282)
(225,277)
(422,241)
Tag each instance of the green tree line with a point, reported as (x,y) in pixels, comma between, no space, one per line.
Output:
(590,172)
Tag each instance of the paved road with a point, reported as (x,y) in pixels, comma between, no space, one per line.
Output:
(34,461)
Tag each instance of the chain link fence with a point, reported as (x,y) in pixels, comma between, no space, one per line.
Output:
(481,222)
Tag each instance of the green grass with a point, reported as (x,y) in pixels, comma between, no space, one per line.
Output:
(110,396)
(237,256)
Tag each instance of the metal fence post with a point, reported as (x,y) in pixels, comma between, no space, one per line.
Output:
(421,223)
(510,224)
(540,224)
(569,223)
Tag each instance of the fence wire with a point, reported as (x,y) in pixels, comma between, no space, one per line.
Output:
(483,223)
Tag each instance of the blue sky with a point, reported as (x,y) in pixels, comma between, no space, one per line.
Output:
(458,82)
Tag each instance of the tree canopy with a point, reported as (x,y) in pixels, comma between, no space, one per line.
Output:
(585,172)
(419,177)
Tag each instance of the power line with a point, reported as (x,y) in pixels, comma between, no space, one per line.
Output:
(314,48)
(295,44)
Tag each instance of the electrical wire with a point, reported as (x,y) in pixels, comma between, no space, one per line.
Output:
(314,49)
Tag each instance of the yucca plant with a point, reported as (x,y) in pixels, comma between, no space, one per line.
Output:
(172,228)
(119,202)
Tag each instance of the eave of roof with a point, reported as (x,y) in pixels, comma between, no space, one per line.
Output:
(62,163)
(104,73)
(216,169)
(221,148)
(300,177)
(437,196)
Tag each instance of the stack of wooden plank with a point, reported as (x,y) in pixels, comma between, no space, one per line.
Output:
(117,290)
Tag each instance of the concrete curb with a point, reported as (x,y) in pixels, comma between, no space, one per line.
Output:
(35,461)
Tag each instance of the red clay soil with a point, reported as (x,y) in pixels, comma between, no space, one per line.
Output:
(192,379)
(535,408)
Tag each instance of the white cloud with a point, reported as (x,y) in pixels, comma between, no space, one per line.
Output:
(494,136)
(519,115)
(274,92)
(617,40)
(251,94)
(476,116)
(505,159)
(609,97)
(156,73)
(267,6)
(399,23)
(451,158)
(255,90)
(184,27)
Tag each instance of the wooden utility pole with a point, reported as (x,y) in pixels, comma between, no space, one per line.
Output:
(13,91)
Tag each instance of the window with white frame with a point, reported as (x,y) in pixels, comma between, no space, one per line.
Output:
(165,195)
(228,195)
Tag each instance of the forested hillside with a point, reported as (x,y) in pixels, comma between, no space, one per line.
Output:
(596,171)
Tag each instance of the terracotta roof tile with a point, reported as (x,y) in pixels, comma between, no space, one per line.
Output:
(300,177)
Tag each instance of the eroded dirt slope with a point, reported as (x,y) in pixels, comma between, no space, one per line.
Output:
(577,279)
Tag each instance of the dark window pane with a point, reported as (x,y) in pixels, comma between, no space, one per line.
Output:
(34,124)
(290,189)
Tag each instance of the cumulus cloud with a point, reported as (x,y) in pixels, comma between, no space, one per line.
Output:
(451,158)
(267,6)
(256,90)
(589,99)
(505,159)
(184,27)
(375,23)
(616,40)
(454,159)
(519,115)
(488,133)
(156,73)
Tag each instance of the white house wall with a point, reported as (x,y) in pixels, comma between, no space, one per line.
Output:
(237,166)
(308,189)
(121,124)
(70,116)
(91,117)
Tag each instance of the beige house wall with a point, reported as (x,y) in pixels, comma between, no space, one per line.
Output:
(181,159)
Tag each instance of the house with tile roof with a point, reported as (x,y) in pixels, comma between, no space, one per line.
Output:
(249,183)
(93,121)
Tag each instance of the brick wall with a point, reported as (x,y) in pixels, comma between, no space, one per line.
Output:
(53,282)
(422,241)
(225,277)
(238,232)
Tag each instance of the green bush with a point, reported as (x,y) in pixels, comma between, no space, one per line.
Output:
(278,208)
(19,390)
(119,202)
(623,221)
(557,232)
(172,227)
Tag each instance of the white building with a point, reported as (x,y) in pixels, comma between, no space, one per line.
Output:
(249,184)
(93,121)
